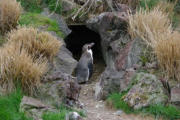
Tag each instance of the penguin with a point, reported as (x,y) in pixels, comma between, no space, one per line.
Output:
(84,67)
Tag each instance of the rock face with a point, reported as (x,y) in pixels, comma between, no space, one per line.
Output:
(119,51)
(73,116)
(57,88)
(34,108)
(147,90)
(175,95)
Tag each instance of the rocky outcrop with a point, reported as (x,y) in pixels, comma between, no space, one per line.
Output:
(119,51)
(57,88)
(175,95)
(147,90)
(35,108)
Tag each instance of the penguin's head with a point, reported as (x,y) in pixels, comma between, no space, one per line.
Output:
(87,47)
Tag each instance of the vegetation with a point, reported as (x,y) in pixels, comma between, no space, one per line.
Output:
(39,21)
(61,115)
(167,112)
(54,5)
(31,5)
(10,13)
(155,28)
(10,104)
(40,44)
(19,67)
(23,58)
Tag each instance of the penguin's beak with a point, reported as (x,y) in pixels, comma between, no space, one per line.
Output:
(91,45)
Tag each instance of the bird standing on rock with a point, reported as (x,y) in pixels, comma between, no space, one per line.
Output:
(84,67)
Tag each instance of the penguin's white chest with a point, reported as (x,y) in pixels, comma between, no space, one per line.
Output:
(91,53)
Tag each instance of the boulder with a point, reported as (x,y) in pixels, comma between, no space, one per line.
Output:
(175,95)
(119,51)
(62,24)
(146,90)
(57,88)
(68,5)
(73,116)
(35,108)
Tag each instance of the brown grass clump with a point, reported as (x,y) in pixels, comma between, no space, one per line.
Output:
(167,51)
(155,28)
(37,43)
(10,11)
(18,67)
(145,24)
(23,59)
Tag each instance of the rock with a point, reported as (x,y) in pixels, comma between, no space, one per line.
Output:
(34,108)
(109,83)
(119,51)
(63,62)
(147,90)
(58,87)
(62,24)
(118,113)
(175,95)
(73,116)
(68,5)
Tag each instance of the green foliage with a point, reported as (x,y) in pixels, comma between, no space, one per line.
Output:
(148,4)
(1,40)
(37,20)
(31,5)
(61,114)
(168,112)
(9,107)
(115,100)
(52,6)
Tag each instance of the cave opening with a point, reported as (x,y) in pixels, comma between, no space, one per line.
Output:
(81,35)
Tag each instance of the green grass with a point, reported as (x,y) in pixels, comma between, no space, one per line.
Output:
(9,107)
(31,5)
(167,112)
(52,5)
(38,20)
(115,101)
(61,115)
(148,4)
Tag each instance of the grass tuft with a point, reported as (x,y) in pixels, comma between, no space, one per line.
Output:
(10,104)
(61,115)
(115,101)
(31,5)
(9,16)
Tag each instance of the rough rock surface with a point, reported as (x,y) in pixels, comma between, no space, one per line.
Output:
(62,24)
(34,108)
(175,95)
(73,116)
(58,87)
(147,90)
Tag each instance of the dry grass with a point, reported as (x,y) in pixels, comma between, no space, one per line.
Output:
(10,11)
(155,28)
(23,58)
(145,24)
(18,67)
(40,44)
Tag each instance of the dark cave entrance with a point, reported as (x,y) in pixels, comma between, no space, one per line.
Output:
(81,35)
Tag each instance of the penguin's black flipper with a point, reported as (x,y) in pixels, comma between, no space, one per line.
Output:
(90,67)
